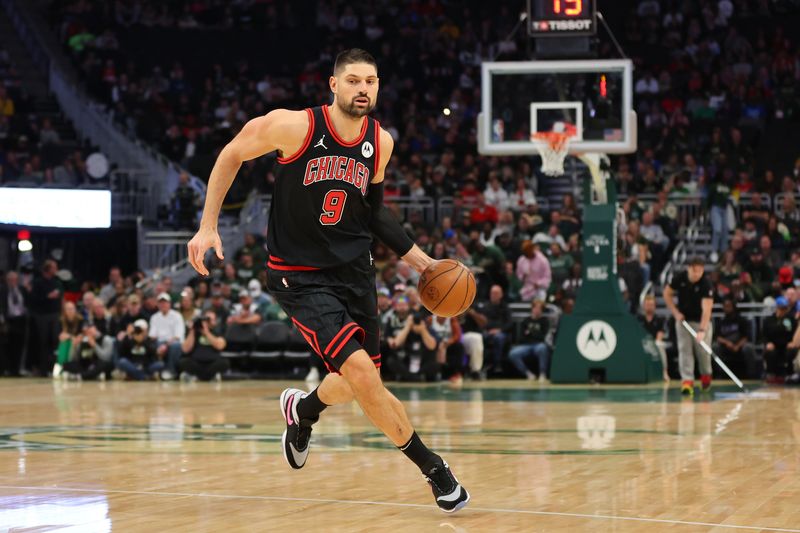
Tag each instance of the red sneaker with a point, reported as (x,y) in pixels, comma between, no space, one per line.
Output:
(705,379)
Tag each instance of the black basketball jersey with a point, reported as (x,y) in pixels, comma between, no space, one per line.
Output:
(319,217)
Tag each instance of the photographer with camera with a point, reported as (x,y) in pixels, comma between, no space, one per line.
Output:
(410,347)
(138,357)
(202,351)
(91,354)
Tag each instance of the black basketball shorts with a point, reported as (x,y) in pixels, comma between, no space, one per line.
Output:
(335,309)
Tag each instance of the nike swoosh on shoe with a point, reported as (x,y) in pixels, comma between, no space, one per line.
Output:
(299,457)
(453,496)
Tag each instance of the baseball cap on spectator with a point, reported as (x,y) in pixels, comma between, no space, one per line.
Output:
(164,296)
(785,275)
(244,293)
(399,287)
(254,286)
(401,298)
(383,291)
(696,260)
(449,234)
(141,324)
(781,301)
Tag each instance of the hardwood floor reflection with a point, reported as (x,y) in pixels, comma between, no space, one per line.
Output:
(148,457)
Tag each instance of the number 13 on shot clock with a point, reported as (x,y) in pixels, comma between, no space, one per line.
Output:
(561,18)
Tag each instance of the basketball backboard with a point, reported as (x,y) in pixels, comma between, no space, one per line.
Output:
(520,98)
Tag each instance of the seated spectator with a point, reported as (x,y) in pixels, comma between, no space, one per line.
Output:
(187,309)
(252,247)
(570,216)
(230,278)
(261,298)
(245,312)
(566,226)
(202,351)
(168,329)
(657,241)
(245,269)
(522,197)
(773,258)
(138,355)
(533,270)
(532,343)
(495,195)
(218,304)
(493,318)
(71,326)
(777,333)
(729,269)
(91,355)
(108,291)
(409,353)
(449,350)
(482,212)
(761,274)
(654,325)
(732,343)
(756,212)
(85,306)
(560,266)
(116,322)
(490,262)
(551,236)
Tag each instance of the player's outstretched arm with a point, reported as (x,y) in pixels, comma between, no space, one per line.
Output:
(383,224)
(278,130)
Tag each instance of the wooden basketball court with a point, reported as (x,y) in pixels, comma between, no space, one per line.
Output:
(150,457)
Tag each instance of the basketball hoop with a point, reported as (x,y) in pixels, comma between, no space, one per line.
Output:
(553,147)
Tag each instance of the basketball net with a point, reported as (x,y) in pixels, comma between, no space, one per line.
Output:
(553,147)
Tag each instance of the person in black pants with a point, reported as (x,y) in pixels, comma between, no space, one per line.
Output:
(776,334)
(14,321)
(202,351)
(493,318)
(45,307)
(733,345)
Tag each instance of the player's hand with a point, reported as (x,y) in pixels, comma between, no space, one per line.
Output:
(204,239)
(700,336)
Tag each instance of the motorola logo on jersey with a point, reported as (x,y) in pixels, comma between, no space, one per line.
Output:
(596,340)
(338,168)
(367,149)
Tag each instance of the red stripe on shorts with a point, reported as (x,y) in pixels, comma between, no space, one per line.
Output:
(341,332)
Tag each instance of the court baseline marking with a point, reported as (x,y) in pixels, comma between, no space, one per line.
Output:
(395,504)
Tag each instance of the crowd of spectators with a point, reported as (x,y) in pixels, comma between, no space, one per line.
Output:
(32,152)
(708,82)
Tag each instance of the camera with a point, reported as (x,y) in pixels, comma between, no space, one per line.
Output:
(417,320)
(198,324)
(137,330)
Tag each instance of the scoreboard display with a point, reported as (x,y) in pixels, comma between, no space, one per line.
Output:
(562,18)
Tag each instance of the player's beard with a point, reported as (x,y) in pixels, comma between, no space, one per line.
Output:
(351,109)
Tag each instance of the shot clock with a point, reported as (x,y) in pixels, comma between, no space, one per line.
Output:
(562,18)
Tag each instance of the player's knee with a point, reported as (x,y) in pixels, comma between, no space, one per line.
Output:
(359,371)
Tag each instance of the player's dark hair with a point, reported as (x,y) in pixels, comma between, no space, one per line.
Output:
(350,56)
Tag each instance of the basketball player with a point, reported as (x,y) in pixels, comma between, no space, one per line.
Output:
(327,204)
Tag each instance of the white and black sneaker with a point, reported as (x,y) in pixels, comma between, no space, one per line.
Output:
(298,432)
(450,495)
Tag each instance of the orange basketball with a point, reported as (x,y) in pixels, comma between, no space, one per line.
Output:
(447,288)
